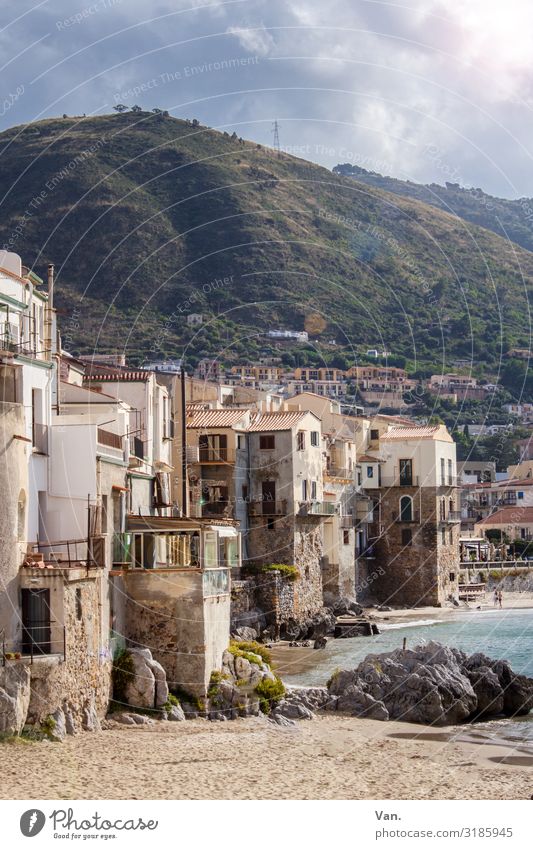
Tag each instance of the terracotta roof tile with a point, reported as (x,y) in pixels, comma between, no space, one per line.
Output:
(278,421)
(216,418)
(515,515)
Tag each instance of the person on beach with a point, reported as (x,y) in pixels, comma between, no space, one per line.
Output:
(495,598)
(500,598)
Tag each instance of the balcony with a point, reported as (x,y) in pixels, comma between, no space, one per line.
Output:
(339,472)
(110,443)
(267,508)
(400,480)
(452,516)
(216,455)
(317,508)
(136,448)
(222,509)
(346,522)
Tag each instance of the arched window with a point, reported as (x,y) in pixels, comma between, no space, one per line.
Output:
(21,516)
(450,505)
(442,509)
(406,508)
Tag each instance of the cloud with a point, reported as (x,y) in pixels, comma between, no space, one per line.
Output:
(383,82)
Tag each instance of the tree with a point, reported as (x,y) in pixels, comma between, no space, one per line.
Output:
(120,108)
(136,108)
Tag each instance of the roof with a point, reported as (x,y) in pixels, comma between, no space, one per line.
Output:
(436,432)
(515,515)
(279,421)
(366,458)
(116,375)
(505,484)
(215,418)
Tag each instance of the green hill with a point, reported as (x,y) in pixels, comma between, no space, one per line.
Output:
(511,219)
(148,218)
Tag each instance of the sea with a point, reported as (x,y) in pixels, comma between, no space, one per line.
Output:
(500,634)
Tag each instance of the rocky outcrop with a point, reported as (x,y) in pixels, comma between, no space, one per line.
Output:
(15,694)
(147,686)
(431,684)
(310,628)
(236,690)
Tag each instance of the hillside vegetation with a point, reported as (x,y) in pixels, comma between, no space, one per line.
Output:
(148,219)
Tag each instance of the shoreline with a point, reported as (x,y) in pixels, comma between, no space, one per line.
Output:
(291,661)
(333,757)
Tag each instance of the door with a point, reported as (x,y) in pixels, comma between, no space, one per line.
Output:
(268,497)
(36,621)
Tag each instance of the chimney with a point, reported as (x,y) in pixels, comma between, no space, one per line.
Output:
(50,286)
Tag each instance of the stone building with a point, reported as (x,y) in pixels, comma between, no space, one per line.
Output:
(417,546)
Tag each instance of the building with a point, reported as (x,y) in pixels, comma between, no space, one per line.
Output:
(476,471)
(415,517)
(513,523)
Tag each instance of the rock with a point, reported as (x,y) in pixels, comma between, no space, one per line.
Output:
(320,643)
(90,721)
(489,693)
(245,633)
(70,722)
(176,714)
(346,607)
(59,731)
(14,696)
(278,719)
(431,684)
(148,688)
(190,710)
(123,718)
(292,710)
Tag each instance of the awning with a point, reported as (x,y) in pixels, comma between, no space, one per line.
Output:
(224,531)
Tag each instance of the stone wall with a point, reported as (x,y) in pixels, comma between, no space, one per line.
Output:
(166,612)
(419,573)
(79,684)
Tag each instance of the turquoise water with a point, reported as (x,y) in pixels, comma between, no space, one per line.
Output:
(500,634)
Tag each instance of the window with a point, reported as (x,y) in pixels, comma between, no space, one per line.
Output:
(374,434)
(406,472)
(239,441)
(359,479)
(443,536)
(314,437)
(244,492)
(370,471)
(442,509)
(406,509)
(346,537)
(451,536)
(407,536)
(304,490)
(442,471)
(313,490)
(213,447)
(450,478)
(520,495)
(270,524)
(452,576)
(79,611)
(267,441)
(300,440)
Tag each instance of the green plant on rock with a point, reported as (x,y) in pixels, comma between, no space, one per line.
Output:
(123,672)
(286,571)
(334,675)
(241,648)
(270,692)
(47,726)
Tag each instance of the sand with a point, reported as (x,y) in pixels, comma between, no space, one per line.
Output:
(325,758)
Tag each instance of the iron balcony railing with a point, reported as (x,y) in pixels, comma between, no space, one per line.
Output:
(216,455)
(267,508)
(339,472)
(317,508)
(406,517)
(36,641)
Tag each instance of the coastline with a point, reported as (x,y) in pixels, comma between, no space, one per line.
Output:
(290,661)
(334,757)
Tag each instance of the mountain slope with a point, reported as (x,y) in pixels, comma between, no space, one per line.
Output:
(511,219)
(148,219)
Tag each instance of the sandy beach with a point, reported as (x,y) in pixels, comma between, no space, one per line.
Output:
(325,758)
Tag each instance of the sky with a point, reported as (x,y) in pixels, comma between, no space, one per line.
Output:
(422,90)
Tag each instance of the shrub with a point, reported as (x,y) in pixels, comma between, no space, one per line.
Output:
(255,648)
(286,571)
(332,677)
(269,692)
(237,652)
(123,671)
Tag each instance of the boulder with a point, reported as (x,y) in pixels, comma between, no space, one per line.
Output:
(148,687)
(431,684)
(320,643)
(59,730)
(176,714)
(245,633)
(14,696)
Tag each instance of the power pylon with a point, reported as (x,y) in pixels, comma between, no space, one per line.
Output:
(277,147)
